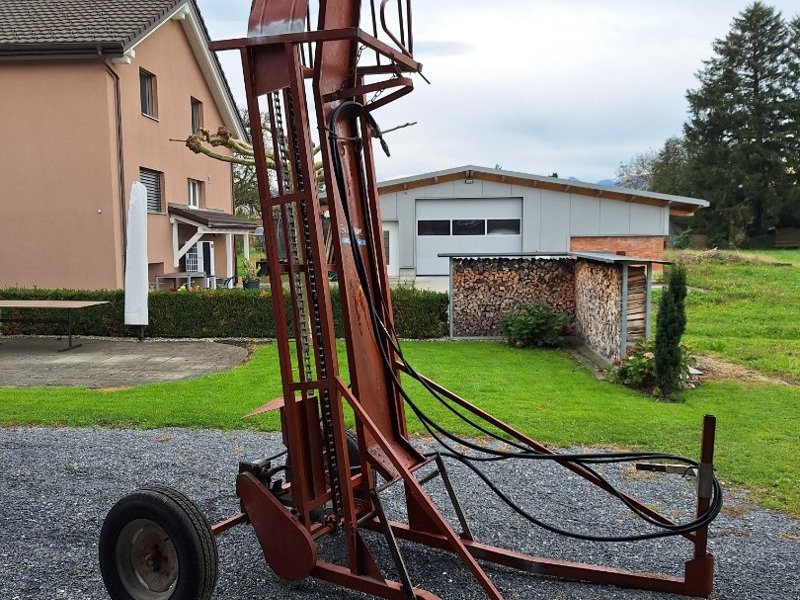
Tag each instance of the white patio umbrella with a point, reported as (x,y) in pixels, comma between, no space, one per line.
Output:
(136,284)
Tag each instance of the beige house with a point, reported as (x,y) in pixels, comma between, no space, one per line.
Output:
(90,94)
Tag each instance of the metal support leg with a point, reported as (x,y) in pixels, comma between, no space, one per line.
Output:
(70,345)
(699,571)
(466,533)
(408,588)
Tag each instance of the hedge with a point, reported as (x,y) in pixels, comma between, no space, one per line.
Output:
(210,313)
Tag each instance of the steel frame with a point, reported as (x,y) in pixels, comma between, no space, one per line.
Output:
(313,403)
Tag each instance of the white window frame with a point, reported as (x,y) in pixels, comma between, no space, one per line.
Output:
(194,191)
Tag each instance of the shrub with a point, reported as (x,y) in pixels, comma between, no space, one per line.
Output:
(419,313)
(212,313)
(533,325)
(637,369)
(677,287)
(670,325)
(250,270)
(682,240)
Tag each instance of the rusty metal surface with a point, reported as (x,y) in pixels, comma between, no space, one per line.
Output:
(325,495)
(548,566)
(288,547)
(276,17)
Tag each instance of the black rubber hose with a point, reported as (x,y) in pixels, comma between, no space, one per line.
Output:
(381,333)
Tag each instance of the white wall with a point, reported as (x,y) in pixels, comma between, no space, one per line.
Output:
(549,218)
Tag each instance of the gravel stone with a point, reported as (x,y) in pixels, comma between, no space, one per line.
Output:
(58,484)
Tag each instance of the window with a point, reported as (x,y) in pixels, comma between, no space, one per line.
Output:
(193,259)
(469,227)
(197,115)
(147,93)
(195,197)
(433,227)
(154,182)
(386,246)
(502,226)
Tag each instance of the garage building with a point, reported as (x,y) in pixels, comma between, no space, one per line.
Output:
(473,210)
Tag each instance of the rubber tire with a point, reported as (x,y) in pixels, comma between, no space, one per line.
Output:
(186,527)
(353,452)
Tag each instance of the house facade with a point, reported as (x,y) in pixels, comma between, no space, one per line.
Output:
(91,94)
(475,210)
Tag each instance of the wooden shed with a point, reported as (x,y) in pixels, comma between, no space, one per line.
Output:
(608,295)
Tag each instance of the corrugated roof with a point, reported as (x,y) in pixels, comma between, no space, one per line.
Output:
(108,23)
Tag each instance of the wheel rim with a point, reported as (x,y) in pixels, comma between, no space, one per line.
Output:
(147,562)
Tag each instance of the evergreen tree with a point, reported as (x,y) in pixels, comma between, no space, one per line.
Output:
(677,288)
(790,210)
(670,324)
(664,170)
(740,129)
(670,170)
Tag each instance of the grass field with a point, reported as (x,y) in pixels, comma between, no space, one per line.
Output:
(747,313)
(543,393)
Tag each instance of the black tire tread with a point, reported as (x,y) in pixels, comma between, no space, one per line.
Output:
(203,530)
(197,526)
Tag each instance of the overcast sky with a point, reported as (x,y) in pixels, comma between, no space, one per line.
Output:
(571,86)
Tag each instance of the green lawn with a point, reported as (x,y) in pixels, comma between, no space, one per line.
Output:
(748,314)
(543,393)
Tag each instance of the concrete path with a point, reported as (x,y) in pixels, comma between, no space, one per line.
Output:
(102,362)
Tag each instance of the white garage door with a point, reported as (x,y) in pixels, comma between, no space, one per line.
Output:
(465,226)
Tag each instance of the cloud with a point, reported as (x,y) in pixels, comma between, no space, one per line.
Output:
(575,87)
(441,48)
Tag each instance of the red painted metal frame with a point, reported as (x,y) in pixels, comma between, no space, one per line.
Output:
(279,64)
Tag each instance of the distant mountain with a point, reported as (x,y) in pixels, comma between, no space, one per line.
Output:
(604,182)
(607,182)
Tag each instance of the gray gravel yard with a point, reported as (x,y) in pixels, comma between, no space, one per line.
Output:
(58,484)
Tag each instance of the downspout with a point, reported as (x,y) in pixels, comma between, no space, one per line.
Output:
(120,160)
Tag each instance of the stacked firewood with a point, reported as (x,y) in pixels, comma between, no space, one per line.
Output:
(486,289)
(636,303)
(598,305)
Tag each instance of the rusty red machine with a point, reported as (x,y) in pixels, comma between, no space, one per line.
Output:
(156,544)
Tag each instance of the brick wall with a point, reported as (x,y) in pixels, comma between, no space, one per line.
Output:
(640,246)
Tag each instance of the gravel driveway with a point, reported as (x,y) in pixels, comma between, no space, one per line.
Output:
(58,484)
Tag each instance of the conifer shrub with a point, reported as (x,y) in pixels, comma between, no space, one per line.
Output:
(670,325)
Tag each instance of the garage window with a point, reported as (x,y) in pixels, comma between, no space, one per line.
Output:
(502,227)
(469,227)
(435,227)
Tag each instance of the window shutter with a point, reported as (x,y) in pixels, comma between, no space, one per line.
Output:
(152,181)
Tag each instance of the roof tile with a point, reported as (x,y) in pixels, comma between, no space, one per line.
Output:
(40,22)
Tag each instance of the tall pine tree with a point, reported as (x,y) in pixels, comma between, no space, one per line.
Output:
(740,128)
